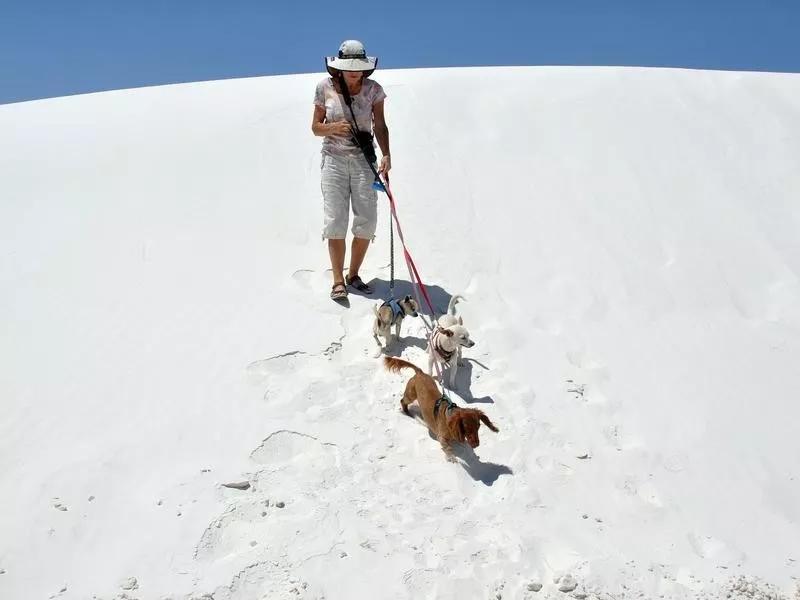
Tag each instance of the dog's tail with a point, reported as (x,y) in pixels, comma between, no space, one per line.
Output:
(396,364)
(451,307)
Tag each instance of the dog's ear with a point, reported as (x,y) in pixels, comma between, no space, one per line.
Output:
(488,423)
(456,427)
(460,320)
(407,298)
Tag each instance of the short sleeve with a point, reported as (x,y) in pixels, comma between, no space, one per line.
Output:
(378,93)
(319,94)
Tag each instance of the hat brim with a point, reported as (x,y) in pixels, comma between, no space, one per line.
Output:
(366,65)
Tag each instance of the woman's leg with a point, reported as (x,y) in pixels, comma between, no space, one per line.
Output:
(335,184)
(365,212)
(336,250)
(358,251)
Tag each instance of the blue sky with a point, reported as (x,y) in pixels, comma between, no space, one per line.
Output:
(56,48)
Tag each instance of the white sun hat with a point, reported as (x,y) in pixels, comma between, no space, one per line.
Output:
(352,57)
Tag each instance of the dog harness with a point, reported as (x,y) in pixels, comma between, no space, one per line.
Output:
(437,347)
(451,406)
(397,310)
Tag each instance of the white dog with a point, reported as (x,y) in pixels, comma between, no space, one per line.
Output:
(392,312)
(447,340)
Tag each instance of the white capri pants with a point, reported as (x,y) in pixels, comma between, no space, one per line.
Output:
(348,180)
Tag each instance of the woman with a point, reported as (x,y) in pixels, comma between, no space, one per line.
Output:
(347,177)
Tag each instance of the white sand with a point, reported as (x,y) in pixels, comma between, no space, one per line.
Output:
(627,240)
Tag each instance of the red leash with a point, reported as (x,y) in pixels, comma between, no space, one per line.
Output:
(416,280)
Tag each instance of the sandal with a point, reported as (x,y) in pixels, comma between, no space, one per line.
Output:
(338,291)
(359,284)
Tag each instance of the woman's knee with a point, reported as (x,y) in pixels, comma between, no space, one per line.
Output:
(365,230)
(336,199)
(365,216)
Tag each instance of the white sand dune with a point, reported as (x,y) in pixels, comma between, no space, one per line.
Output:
(627,243)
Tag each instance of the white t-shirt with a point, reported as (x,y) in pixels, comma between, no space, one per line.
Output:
(336,109)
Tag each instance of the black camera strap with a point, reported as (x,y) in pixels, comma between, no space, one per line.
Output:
(363,139)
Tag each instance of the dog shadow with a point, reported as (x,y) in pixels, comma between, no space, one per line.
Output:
(415,412)
(485,472)
(439,297)
(397,346)
(464,383)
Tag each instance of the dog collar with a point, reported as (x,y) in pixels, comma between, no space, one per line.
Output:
(437,347)
(451,406)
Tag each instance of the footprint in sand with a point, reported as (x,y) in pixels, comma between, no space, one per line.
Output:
(304,278)
(308,280)
(280,385)
(265,580)
(560,471)
(256,529)
(588,378)
(675,463)
(423,583)
(706,546)
(611,433)
(312,289)
(286,384)
(282,520)
(291,449)
(646,491)
(595,370)
(279,366)
(621,440)
(240,524)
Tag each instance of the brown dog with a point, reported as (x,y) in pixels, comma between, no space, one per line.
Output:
(448,422)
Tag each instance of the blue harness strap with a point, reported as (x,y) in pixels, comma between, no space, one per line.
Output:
(397,310)
(451,406)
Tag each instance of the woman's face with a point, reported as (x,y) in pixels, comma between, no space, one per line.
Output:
(352,77)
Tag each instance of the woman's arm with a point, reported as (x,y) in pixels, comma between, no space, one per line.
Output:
(382,136)
(381,129)
(321,128)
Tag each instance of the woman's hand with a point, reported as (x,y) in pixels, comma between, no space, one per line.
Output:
(340,129)
(386,164)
